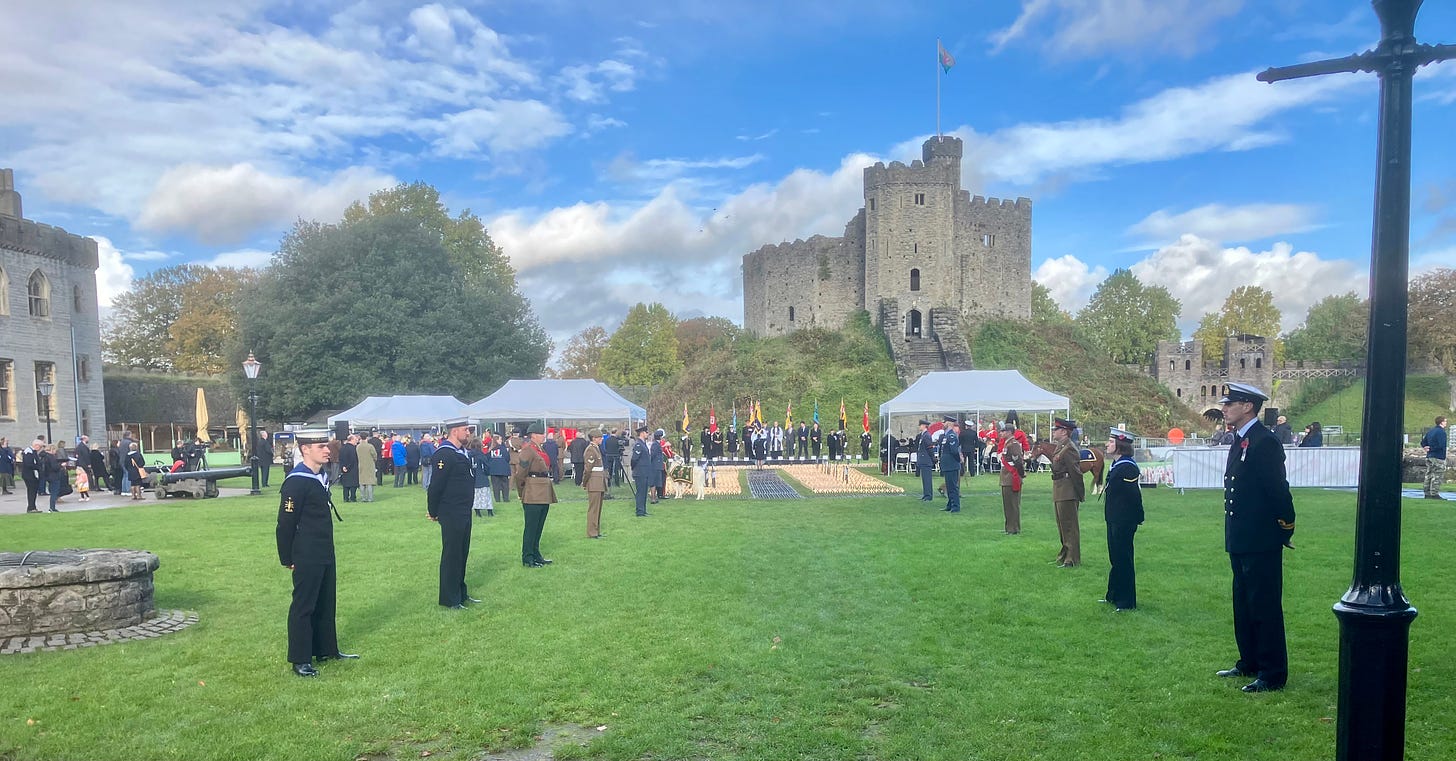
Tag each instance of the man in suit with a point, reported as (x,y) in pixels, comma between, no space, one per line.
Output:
(642,474)
(265,457)
(593,466)
(576,452)
(1068,491)
(305,537)
(116,463)
(733,441)
(803,439)
(816,439)
(448,502)
(1258,524)
(950,464)
(30,468)
(1011,475)
(925,462)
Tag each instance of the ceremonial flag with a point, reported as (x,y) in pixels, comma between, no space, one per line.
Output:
(843,421)
(816,410)
(758,411)
(789,416)
(946,59)
(685,418)
(713,419)
(867,417)
(735,414)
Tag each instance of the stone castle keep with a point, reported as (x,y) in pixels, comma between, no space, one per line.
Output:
(920,256)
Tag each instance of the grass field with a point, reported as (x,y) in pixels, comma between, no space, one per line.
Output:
(831,628)
(1426,396)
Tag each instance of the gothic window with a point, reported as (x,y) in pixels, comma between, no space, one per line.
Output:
(7,388)
(1225,389)
(76,299)
(791,314)
(914,279)
(4,293)
(39,290)
(919,199)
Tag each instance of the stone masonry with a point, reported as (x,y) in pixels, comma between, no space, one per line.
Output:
(74,591)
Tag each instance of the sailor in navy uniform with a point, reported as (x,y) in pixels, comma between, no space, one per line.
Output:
(448,501)
(950,464)
(1258,525)
(925,461)
(1124,513)
(306,546)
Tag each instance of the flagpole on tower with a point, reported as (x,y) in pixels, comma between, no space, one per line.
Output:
(938,74)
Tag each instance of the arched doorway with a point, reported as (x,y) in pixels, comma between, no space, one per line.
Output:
(912,324)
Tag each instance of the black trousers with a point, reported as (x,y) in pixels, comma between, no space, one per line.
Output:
(952,490)
(454,552)
(264,468)
(311,630)
(1122,578)
(576,467)
(116,480)
(500,488)
(641,484)
(351,494)
(927,482)
(531,534)
(32,488)
(1258,596)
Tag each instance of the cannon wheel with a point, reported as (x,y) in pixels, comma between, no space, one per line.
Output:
(211,489)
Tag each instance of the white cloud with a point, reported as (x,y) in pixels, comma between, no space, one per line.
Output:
(760,136)
(1229,224)
(247,258)
(146,256)
(499,127)
(1070,281)
(1130,28)
(590,83)
(113,275)
(224,204)
(627,168)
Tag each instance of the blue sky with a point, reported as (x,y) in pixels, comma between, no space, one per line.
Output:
(624,152)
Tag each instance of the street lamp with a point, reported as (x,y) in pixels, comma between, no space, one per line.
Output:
(46,389)
(251,366)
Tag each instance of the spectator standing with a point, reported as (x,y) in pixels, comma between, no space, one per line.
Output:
(1283,431)
(498,461)
(1313,436)
(480,468)
(136,469)
(30,473)
(427,454)
(576,451)
(53,474)
(398,457)
(7,466)
(116,462)
(349,468)
(265,456)
(368,468)
(1434,442)
(382,457)
(553,454)
(411,461)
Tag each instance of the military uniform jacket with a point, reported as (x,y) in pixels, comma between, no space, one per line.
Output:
(452,485)
(1067,483)
(1256,494)
(641,459)
(950,452)
(594,473)
(1123,495)
(924,451)
(533,478)
(1011,461)
(305,519)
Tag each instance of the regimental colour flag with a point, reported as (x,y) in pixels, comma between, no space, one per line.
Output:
(758,411)
(946,59)
(843,421)
(735,414)
(816,410)
(713,419)
(685,418)
(867,417)
(789,416)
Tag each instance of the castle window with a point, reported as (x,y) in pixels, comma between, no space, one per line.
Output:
(85,422)
(39,291)
(916,248)
(988,240)
(1180,393)
(1187,364)
(919,199)
(1203,390)
(7,386)
(76,299)
(791,314)
(872,204)
(83,368)
(4,293)
(1258,362)
(1172,365)
(914,279)
(1243,363)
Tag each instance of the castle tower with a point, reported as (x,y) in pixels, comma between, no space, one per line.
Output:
(9,197)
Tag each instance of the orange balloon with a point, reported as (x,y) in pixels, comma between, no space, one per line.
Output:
(1175,436)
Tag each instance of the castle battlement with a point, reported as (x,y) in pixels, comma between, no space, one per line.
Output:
(1021,204)
(45,240)
(915,173)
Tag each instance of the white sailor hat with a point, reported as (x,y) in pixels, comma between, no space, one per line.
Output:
(1118,433)
(456,422)
(313,436)
(1243,392)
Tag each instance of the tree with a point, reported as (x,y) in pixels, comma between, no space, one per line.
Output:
(1249,310)
(1044,308)
(700,335)
(1432,331)
(470,249)
(377,305)
(583,353)
(1334,328)
(177,318)
(643,350)
(1128,319)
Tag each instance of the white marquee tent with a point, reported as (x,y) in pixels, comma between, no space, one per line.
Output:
(555,399)
(400,412)
(971,391)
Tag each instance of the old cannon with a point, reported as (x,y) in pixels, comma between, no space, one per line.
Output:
(194,483)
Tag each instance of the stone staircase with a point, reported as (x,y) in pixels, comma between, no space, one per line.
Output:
(953,346)
(941,347)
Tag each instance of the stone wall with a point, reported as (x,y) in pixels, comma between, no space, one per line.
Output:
(97,590)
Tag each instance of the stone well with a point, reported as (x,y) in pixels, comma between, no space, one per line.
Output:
(74,591)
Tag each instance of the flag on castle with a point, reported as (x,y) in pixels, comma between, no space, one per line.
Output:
(685,418)
(843,421)
(713,419)
(946,59)
(867,417)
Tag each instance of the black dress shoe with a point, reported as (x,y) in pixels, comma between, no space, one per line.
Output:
(305,669)
(1233,672)
(473,600)
(456,606)
(544,561)
(1259,685)
(337,657)
(54,510)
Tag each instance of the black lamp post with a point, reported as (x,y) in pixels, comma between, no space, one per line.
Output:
(46,389)
(251,366)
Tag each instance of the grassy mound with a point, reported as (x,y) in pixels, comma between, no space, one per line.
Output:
(1426,396)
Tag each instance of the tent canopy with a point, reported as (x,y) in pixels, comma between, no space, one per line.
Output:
(559,399)
(401,412)
(969,390)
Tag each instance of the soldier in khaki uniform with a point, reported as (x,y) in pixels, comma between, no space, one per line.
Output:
(1068,489)
(594,478)
(1011,465)
(533,483)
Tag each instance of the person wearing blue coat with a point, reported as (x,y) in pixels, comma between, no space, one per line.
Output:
(925,462)
(498,462)
(400,458)
(950,464)
(642,474)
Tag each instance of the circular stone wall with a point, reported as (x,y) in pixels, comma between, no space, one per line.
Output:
(74,591)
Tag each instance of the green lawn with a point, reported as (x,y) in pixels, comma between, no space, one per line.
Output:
(846,628)
(1426,396)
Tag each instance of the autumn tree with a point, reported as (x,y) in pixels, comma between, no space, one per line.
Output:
(643,351)
(700,335)
(1334,328)
(177,318)
(1247,310)
(1128,319)
(583,353)
(1432,325)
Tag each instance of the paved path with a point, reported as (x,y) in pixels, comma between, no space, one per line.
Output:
(14,504)
(766,484)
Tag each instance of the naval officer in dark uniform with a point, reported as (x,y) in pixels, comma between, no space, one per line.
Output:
(925,462)
(448,501)
(950,464)
(306,546)
(1123,512)
(642,475)
(1258,525)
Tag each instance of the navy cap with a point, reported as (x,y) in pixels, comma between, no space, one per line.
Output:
(1243,392)
(949,418)
(315,436)
(1118,433)
(1064,424)
(641,429)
